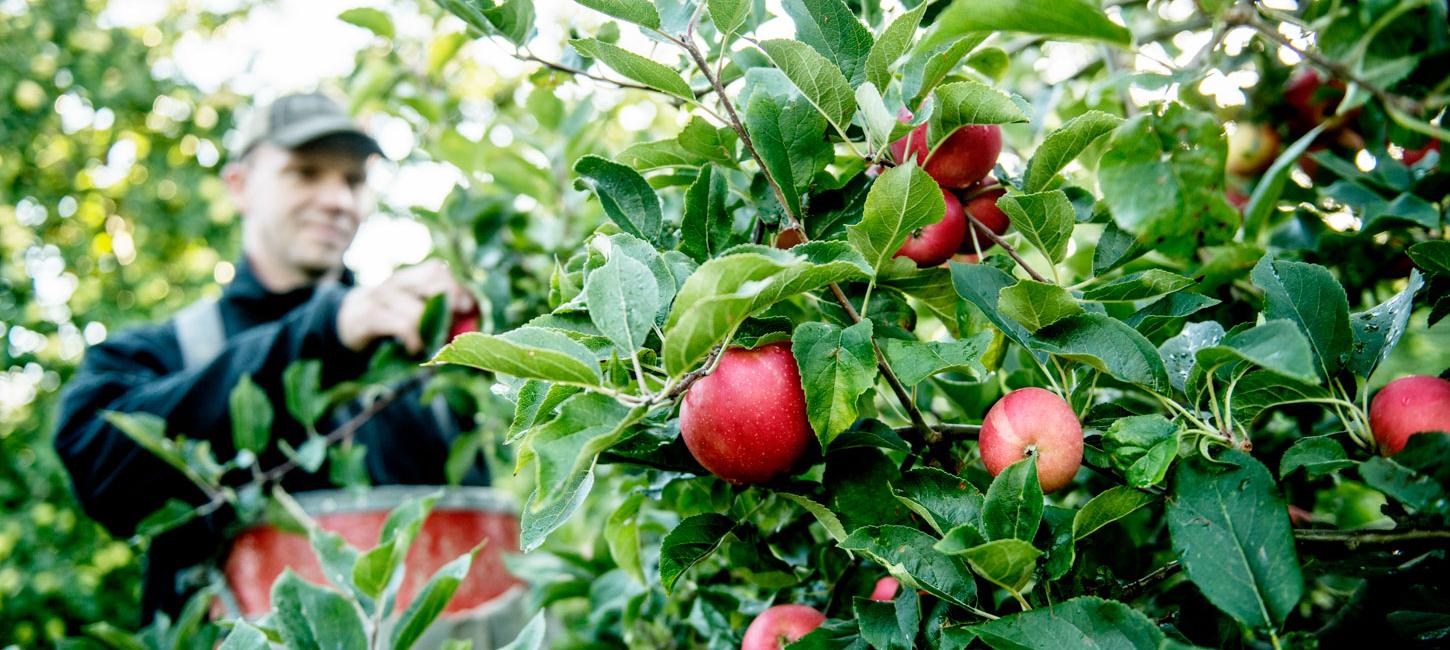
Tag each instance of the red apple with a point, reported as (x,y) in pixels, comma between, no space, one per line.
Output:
(1311,100)
(965,157)
(780,625)
(983,207)
(746,422)
(1236,198)
(886,589)
(1033,421)
(789,238)
(1252,147)
(937,242)
(464,322)
(1407,406)
(1412,156)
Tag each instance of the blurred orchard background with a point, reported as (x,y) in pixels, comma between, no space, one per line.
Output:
(114,119)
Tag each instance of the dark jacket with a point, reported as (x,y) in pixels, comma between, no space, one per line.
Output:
(141,370)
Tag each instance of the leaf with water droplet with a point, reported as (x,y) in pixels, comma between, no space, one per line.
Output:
(1377,330)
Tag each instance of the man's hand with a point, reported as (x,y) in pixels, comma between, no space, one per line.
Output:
(393,308)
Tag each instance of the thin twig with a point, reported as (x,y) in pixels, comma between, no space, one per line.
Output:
(997,239)
(1138,587)
(1356,538)
(554,65)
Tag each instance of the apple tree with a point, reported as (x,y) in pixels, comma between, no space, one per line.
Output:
(1136,406)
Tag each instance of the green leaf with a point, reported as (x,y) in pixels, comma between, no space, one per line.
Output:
(929,66)
(1037,304)
(533,635)
(1068,19)
(827,519)
(837,367)
(915,361)
(892,44)
(302,384)
(1378,330)
(623,300)
(621,533)
(1083,622)
(717,145)
(1167,311)
(430,602)
(1162,179)
(659,154)
(528,352)
(1179,353)
(1231,530)
(626,197)
(633,66)
(981,285)
(1063,145)
(251,416)
(945,501)
(1417,491)
(1111,505)
(992,62)
(1106,344)
(149,431)
(373,20)
(908,554)
(308,616)
(1308,295)
(172,514)
(790,138)
(961,538)
(706,228)
(639,12)
(1276,345)
(725,291)
(244,636)
(1432,256)
(1129,439)
(875,118)
(512,19)
(1007,563)
(1045,219)
(1318,456)
(1270,187)
(536,404)
(821,82)
(728,15)
(969,102)
(566,449)
(1263,389)
(1013,509)
(1138,286)
(374,569)
(693,540)
(829,27)
(889,625)
(1115,248)
(902,200)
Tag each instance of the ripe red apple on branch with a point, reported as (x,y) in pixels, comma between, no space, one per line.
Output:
(779,625)
(746,421)
(965,157)
(936,243)
(1407,406)
(1033,421)
(464,322)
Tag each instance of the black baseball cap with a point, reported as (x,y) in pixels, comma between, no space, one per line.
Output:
(294,120)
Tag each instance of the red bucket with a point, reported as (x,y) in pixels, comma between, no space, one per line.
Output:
(489,597)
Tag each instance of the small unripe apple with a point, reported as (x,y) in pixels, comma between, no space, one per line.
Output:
(1252,147)
(746,422)
(886,589)
(936,243)
(779,625)
(983,207)
(1033,421)
(1407,406)
(789,238)
(464,322)
(965,157)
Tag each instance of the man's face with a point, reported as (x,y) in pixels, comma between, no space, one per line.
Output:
(300,207)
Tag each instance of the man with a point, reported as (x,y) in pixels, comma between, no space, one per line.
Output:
(298,179)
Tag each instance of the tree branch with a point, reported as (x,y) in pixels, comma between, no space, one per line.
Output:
(1138,587)
(1354,539)
(1012,252)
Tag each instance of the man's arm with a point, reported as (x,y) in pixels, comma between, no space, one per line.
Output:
(120,483)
